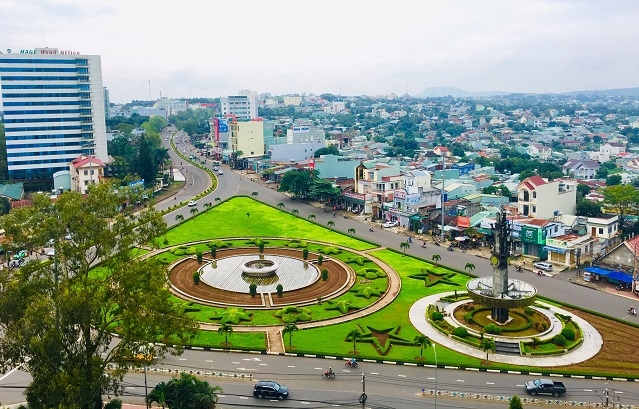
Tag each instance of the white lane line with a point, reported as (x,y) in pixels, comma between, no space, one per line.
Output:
(345,370)
(208,360)
(490,383)
(235,363)
(520,386)
(402,376)
(305,403)
(319,368)
(246,369)
(243,397)
(431,379)
(221,396)
(460,380)
(130,387)
(587,390)
(290,366)
(263,364)
(374,373)
(182,359)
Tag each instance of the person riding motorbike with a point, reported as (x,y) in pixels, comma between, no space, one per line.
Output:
(353,362)
(370,229)
(329,372)
(632,310)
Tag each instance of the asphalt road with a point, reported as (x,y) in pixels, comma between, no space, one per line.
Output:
(393,386)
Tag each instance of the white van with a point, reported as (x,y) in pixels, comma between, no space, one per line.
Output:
(543,266)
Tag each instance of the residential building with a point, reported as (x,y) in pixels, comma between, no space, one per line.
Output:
(171,106)
(85,171)
(581,169)
(544,200)
(53,102)
(379,180)
(241,106)
(247,137)
(292,100)
(610,150)
(539,151)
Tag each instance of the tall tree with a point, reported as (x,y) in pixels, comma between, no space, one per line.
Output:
(298,182)
(59,318)
(288,329)
(622,199)
(421,341)
(145,166)
(185,392)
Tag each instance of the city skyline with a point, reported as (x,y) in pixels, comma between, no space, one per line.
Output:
(197,49)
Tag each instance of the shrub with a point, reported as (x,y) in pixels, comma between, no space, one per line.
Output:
(253,290)
(213,251)
(529,311)
(260,246)
(535,341)
(492,329)
(324,274)
(468,317)
(559,340)
(166,241)
(436,316)
(199,257)
(196,277)
(542,327)
(320,258)
(280,290)
(305,254)
(460,332)
(568,333)
(114,404)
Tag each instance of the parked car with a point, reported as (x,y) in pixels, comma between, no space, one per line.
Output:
(270,389)
(192,203)
(543,266)
(390,224)
(20,255)
(220,172)
(545,386)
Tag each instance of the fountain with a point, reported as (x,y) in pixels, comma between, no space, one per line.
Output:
(499,292)
(259,268)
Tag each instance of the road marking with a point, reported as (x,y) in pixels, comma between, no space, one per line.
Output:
(337,406)
(431,379)
(130,387)
(221,396)
(374,373)
(319,368)
(274,400)
(305,403)
(236,363)
(490,383)
(182,359)
(402,376)
(345,370)
(460,380)
(208,360)
(521,386)
(246,369)
(243,397)
(290,366)
(587,390)
(10,372)
(263,364)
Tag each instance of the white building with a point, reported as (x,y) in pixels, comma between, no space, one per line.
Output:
(241,106)
(171,106)
(541,199)
(85,171)
(53,103)
(248,137)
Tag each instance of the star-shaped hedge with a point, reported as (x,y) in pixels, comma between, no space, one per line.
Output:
(371,273)
(359,260)
(343,306)
(329,250)
(232,316)
(432,278)
(295,244)
(382,339)
(367,292)
(291,314)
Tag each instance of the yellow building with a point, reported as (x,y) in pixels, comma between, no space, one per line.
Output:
(248,137)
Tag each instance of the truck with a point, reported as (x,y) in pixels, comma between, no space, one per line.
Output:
(545,386)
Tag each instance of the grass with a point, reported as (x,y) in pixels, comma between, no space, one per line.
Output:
(229,219)
(253,341)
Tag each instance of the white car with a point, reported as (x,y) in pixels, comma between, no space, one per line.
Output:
(220,172)
(390,224)
(192,203)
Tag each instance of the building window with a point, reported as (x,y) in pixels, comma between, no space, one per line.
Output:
(534,194)
(86,172)
(534,209)
(600,230)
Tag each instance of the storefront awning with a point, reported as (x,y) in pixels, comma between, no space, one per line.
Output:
(452,228)
(555,249)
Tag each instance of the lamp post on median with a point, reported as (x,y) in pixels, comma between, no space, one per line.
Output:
(578,262)
(435,351)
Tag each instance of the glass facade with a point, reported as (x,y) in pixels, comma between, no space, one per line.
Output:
(53,112)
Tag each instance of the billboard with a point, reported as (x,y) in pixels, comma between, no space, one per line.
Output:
(222,125)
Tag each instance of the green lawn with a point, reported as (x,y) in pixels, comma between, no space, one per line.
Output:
(254,341)
(230,219)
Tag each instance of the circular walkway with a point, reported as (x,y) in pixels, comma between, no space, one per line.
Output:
(590,346)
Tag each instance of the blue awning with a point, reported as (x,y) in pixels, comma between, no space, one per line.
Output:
(555,249)
(613,275)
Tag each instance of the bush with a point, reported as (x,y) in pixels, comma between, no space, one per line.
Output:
(320,258)
(166,241)
(436,316)
(492,329)
(280,290)
(568,333)
(114,404)
(305,254)
(196,277)
(199,257)
(559,340)
(253,290)
(468,317)
(460,332)
(324,274)
(261,247)
(529,311)
(213,251)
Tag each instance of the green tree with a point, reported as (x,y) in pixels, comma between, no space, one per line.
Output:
(421,341)
(288,329)
(588,208)
(255,194)
(355,335)
(487,345)
(60,326)
(323,190)
(351,231)
(436,258)
(193,211)
(185,392)
(311,217)
(280,205)
(217,200)
(613,180)
(298,182)
(469,267)
(404,245)
(330,224)
(226,329)
(515,403)
(583,189)
(145,165)
(179,218)
(329,150)
(621,199)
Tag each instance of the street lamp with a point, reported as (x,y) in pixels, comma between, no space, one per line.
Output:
(435,351)
(578,262)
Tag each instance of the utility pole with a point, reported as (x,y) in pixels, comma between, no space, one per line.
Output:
(443,192)
(362,397)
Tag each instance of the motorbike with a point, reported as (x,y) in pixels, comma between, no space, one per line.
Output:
(328,375)
(370,229)
(437,243)
(351,364)
(450,248)
(632,312)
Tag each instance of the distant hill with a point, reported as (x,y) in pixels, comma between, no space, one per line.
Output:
(622,92)
(436,92)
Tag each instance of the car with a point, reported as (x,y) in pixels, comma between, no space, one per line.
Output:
(220,172)
(390,224)
(51,253)
(215,168)
(270,390)
(69,236)
(543,266)
(20,255)
(192,203)
(50,243)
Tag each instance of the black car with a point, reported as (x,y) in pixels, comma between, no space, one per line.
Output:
(270,390)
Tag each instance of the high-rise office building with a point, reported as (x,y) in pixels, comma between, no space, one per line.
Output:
(53,103)
(241,106)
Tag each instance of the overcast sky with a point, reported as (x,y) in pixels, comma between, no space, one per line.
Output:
(215,48)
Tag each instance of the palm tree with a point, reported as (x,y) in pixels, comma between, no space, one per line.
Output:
(469,267)
(157,395)
(226,329)
(421,341)
(255,194)
(295,212)
(280,205)
(194,210)
(355,335)
(487,345)
(207,206)
(311,217)
(289,328)
(404,245)
(217,200)
(351,231)
(179,218)
(330,224)
(436,258)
